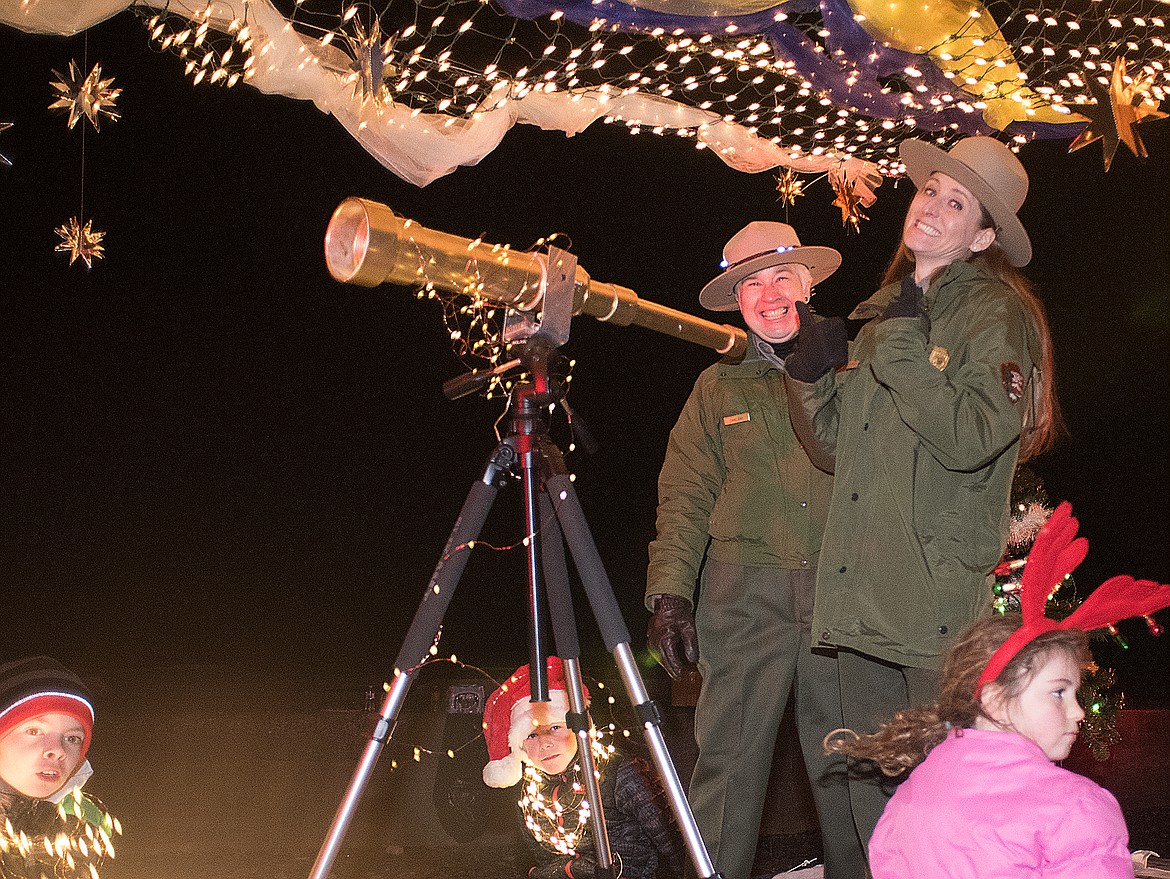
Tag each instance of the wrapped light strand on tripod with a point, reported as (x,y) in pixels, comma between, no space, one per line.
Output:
(420,751)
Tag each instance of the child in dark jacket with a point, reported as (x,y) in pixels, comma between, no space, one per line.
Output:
(48,827)
(529,742)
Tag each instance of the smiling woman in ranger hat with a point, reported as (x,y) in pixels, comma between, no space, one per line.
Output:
(945,389)
(740,502)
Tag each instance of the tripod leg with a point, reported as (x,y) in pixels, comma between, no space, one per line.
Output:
(419,639)
(581,724)
(617,641)
(556,578)
(564,624)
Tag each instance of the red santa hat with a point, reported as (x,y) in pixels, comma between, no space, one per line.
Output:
(511,715)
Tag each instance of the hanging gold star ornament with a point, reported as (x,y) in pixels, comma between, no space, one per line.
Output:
(371,55)
(4,160)
(848,199)
(80,241)
(91,97)
(1119,109)
(790,185)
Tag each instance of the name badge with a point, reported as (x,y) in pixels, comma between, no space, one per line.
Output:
(737,419)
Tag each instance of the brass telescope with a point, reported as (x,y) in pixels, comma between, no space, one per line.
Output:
(367,244)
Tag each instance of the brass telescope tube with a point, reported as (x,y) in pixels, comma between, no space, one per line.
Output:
(367,244)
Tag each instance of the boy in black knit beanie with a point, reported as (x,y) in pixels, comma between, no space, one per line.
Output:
(49,826)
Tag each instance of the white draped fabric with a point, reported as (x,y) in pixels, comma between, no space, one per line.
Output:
(421,147)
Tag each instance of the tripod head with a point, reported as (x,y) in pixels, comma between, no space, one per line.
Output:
(538,334)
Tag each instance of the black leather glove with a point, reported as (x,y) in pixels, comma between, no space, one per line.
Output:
(671,635)
(908,303)
(822,346)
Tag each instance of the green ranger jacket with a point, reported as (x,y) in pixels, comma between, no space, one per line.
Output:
(735,476)
(925,433)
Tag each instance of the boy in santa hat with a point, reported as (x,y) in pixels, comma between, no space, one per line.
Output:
(47,826)
(530,741)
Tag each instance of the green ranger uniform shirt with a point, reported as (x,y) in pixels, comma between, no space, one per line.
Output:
(736,476)
(925,431)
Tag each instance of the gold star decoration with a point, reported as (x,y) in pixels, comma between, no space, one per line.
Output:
(790,186)
(370,54)
(4,126)
(80,241)
(91,97)
(1117,112)
(848,200)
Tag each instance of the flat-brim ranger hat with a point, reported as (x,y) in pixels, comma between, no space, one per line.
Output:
(991,172)
(759,245)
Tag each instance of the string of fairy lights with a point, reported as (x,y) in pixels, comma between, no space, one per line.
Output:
(1003,63)
(603,736)
(84,841)
(823,83)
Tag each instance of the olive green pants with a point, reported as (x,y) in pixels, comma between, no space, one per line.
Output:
(754,646)
(872,692)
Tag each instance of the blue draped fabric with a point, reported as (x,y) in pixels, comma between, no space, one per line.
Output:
(849,70)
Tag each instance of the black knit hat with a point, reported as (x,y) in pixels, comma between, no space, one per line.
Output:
(41,685)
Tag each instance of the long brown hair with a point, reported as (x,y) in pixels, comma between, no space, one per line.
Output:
(1043,423)
(903,742)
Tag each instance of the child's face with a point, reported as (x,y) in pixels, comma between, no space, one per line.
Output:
(39,755)
(551,747)
(1047,710)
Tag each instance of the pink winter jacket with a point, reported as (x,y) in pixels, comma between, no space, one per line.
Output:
(990,805)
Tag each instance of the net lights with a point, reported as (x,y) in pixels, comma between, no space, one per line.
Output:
(829,79)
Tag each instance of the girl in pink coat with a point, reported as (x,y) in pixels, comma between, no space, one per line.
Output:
(985,799)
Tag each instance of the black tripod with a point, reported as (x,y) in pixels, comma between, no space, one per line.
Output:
(553,517)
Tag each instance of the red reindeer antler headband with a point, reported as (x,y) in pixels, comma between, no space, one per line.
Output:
(1055,553)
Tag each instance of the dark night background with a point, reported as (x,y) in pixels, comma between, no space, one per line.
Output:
(213,453)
